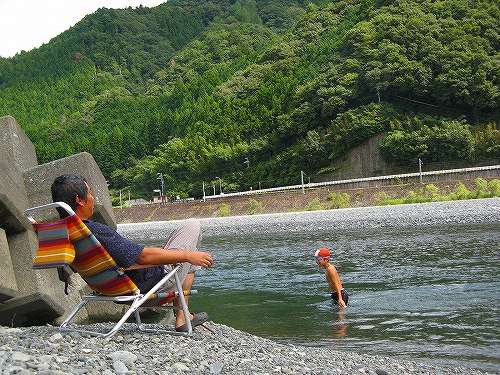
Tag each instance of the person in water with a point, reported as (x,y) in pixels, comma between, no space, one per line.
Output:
(339,294)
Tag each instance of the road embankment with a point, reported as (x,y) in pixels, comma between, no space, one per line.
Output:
(279,202)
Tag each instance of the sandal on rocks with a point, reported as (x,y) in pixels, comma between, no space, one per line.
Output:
(198,319)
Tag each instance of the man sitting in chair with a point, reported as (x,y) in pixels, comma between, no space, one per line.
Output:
(181,247)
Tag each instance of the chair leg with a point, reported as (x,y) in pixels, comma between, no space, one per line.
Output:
(184,309)
(133,309)
(136,304)
(66,328)
(65,325)
(71,315)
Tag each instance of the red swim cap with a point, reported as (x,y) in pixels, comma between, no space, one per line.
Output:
(322,252)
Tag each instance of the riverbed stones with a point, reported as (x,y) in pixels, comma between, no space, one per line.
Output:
(223,351)
(408,215)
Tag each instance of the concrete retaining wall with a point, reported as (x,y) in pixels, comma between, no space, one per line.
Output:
(29,297)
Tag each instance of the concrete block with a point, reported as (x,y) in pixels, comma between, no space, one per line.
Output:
(8,287)
(13,200)
(38,180)
(12,218)
(22,292)
(35,287)
(27,296)
(33,309)
(16,144)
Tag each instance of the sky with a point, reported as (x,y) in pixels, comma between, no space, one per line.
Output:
(27,24)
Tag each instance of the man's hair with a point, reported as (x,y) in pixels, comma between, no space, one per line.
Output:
(66,187)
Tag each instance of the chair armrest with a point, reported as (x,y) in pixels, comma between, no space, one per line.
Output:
(140,266)
(136,267)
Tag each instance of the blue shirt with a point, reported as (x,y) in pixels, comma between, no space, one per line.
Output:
(125,253)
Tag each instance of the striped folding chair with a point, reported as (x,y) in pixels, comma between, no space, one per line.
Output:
(68,241)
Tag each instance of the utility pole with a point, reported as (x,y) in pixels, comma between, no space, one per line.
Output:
(420,169)
(159,176)
(203,191)
(220,185)
(302,181)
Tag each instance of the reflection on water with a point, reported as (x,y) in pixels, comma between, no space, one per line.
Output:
(339,323)
(421,292)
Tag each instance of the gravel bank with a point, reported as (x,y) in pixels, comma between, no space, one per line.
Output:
(422,214)
(44,350)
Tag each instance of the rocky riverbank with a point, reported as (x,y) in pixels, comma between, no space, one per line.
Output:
(420,214)
(220,350)
(224,350)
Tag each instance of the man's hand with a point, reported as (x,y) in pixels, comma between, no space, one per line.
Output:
(200,258)
(341,302)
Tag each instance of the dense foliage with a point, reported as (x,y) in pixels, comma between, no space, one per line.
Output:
(431,193)
(244,92)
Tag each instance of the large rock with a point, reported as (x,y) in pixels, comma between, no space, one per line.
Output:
(29,297)
(39,179)
(8,287)
(17,149)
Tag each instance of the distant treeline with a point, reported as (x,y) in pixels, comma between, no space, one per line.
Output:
(239,91)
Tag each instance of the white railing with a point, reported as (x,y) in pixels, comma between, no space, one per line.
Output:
(361,181)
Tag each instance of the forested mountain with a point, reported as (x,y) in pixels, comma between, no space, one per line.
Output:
(193,89)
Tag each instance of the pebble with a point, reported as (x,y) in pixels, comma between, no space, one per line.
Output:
(120,367)
(124,356)
(223,351)
(216,368)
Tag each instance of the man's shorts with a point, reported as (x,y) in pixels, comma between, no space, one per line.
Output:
(345,297)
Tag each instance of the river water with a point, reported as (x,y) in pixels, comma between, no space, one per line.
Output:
(421,292)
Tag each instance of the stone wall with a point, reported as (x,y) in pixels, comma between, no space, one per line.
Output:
(27,296)
(363,160)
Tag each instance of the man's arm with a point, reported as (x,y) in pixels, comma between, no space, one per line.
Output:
(126,253)
(157,256)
